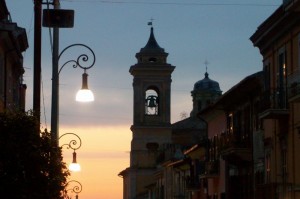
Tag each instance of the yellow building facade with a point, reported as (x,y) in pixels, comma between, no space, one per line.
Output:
(278,39)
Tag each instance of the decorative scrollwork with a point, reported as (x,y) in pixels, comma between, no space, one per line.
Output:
(74,143)
(81,60)
(72,186)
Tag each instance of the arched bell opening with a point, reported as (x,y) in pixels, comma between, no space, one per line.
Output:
(151,101)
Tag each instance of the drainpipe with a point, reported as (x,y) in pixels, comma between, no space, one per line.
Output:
(294,129)
(291,111)
(5,76)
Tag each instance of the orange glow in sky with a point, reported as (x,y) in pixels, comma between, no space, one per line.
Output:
(103,154)
(190,31)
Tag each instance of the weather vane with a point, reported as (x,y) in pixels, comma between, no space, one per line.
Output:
(150,23)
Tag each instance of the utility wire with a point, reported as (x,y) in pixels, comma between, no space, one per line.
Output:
(44,107)
(50,33)
(43,95)
(170,3)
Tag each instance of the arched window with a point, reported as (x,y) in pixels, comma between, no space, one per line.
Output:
(199,105)
(151,101)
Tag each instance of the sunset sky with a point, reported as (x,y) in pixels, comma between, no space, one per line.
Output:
(191,31)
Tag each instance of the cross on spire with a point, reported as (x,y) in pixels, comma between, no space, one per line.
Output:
(206,63)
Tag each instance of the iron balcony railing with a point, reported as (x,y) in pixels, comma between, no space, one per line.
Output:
(294,91)
(234,139)
(192,183)
(212,169)
(273,99)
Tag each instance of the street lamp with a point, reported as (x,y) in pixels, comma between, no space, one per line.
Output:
(84,94)
(77,188)
(74,145)
(84,62)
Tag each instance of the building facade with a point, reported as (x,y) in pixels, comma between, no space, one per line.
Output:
(224,165)
(13,41)
(278,39)
(180,170)
(232,125)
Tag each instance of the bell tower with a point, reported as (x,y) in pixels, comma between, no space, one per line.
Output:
(151,129)
(151,85)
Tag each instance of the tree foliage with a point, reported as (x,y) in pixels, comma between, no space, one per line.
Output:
(30,167)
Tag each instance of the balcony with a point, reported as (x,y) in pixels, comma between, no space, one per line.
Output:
(273,105)
(266,191)
(235,148)
(271,190)
(212,169)
(294,92)
(192,184)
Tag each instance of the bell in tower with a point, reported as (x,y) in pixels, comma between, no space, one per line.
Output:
(152,85)
(151,105)
(151,129)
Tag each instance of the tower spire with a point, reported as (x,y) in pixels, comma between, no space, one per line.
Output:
(152,43)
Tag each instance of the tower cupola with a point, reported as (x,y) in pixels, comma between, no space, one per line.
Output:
(152,52)
(206,85)
(205,92)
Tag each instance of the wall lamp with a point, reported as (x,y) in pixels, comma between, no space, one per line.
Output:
(74,144)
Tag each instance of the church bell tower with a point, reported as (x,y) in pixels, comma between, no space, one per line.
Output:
(151,129)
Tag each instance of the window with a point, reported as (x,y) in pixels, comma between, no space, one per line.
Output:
(299,51)
(152,59)
(268,167)
(230,123)
(2,75)
(267,78)
(199,105)
(281,79)
(233,170)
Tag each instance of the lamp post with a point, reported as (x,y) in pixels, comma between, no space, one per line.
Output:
(37,59)
(77,188)
(84,95)
(73,144)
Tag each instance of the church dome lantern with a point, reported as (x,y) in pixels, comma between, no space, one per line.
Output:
(207,84)
(205,92)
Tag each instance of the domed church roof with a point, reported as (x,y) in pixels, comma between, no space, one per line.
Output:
(207,84)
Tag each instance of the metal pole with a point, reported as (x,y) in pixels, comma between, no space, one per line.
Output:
(55,83)
(37,58)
